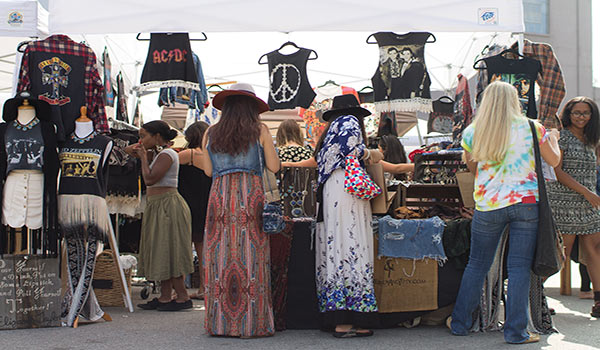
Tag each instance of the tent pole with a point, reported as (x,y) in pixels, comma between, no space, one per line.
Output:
(419,132)
(520,39)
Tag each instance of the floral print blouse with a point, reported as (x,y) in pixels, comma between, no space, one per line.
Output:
(344,137)
(294,153)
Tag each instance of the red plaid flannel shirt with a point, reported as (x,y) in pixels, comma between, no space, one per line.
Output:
(552,84)
(62,44)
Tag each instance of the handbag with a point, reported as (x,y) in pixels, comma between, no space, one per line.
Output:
(549,250)
(357,182)
(272,216)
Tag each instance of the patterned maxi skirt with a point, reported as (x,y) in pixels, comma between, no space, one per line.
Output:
(344,257)
(236,259)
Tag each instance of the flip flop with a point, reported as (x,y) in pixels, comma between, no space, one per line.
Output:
(352,333)
(197,296)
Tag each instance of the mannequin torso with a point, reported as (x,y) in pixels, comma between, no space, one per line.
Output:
(25,114)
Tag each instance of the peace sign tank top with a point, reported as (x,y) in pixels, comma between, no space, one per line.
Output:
(288,82)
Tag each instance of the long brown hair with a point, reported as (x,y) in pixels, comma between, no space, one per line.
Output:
(238,127)
(194,133)
(289,131)
(324,134)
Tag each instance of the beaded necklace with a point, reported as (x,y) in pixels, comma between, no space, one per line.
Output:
(82,140)
(33,122)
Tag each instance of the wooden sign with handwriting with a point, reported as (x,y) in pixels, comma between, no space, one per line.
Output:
(29,292)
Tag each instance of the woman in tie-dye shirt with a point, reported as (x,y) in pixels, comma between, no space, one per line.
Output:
(499,150)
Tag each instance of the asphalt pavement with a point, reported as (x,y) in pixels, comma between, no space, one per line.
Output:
(149,330)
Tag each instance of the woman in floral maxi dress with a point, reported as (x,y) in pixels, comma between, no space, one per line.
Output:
(344,237)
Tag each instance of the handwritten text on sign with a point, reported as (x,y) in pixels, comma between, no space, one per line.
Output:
(29,292)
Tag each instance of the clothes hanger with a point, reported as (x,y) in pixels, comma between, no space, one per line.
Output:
(450,99)
(289,43)
(375,42)
(191,39)
(23,45)
(509,50)
(215,86)
(329,82)
(365,88)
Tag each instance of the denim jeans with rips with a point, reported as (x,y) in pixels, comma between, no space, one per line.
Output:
(486,230)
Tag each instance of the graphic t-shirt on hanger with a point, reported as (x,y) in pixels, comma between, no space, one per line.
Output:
(442,117)
(289,87)
(401,82)
(522,73)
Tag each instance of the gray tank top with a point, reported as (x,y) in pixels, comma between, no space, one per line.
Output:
(170,178)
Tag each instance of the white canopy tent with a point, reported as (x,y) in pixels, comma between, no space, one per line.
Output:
(239,32)
(20,20)
(132,16)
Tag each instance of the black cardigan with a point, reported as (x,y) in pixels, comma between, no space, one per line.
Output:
(50,233)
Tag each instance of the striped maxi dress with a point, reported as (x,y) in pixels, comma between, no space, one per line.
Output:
(236,259)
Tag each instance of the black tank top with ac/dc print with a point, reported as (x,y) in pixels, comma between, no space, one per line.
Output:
(82,165)
(521,73)
(288,83)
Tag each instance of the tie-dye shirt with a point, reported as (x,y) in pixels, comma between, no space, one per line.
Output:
(498,185)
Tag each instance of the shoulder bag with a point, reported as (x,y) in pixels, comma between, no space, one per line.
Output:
(272,216)
(549,250)
(357,182)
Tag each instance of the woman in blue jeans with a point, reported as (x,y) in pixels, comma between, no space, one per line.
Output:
(499,150)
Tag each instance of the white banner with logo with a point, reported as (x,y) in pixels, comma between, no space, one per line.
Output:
(133,16)
(23,19)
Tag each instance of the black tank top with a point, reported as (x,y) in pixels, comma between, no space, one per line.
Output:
(289,86)
(24,146)
(402,74)
(521,73)
(82,168)
(194,187)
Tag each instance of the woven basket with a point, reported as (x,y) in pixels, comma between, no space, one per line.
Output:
(107,283)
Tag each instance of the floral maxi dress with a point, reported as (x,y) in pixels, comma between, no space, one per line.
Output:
(344,239)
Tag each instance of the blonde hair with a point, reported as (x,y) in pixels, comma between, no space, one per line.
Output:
(499,108)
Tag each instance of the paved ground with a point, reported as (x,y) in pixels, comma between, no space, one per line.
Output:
(184,330)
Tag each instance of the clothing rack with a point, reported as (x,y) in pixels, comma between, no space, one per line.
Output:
(120,125)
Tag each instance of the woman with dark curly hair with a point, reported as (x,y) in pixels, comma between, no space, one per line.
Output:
(573,197)
(166,241)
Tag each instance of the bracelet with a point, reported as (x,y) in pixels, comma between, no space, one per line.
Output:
(368,154)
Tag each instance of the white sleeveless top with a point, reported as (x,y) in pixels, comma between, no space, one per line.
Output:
(170,178)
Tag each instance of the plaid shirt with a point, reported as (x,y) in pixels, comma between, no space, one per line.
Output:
(552,84)
(94,93)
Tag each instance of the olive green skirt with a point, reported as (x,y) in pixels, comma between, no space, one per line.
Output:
(166,242)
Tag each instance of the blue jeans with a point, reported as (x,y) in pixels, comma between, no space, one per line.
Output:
(486,230)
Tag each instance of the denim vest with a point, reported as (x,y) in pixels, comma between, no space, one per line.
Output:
(248,162)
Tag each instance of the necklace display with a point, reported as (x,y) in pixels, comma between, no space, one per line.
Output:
(35,121)
(82,140)
(298,198)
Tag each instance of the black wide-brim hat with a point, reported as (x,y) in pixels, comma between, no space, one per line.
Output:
(345,105)
(11,107)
